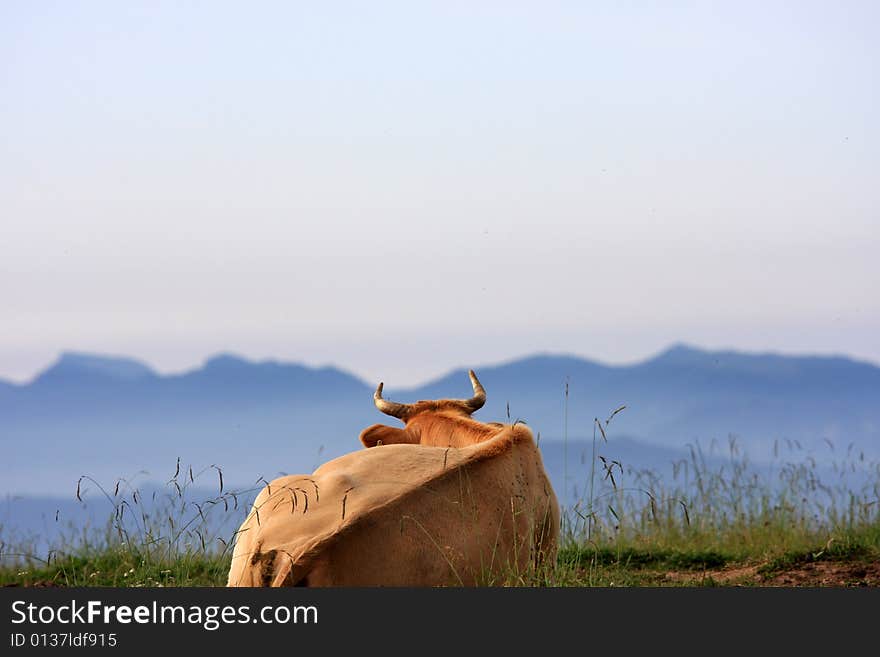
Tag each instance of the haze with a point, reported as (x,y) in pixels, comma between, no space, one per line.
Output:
(401,188)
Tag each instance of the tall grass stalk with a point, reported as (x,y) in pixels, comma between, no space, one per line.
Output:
(565,444)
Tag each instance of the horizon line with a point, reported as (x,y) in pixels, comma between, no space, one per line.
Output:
(445,373)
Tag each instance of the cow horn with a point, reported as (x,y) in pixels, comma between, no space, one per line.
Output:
(389,407)
(476,402)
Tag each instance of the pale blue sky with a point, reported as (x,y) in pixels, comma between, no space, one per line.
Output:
(400,188)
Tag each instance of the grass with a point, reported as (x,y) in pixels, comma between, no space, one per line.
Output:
(120,566)
(169,536)
(654,562)
(714,522)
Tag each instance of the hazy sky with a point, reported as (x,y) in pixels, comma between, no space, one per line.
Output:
(400,188)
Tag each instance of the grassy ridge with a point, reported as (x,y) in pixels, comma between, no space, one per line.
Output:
(854,558)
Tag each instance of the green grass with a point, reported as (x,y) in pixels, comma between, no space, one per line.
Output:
(647,561)
(118,566)
(171,538)
(578,565)
(633,558)
(721,519)
(652,560)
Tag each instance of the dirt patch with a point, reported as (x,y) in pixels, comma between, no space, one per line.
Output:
(828,573)
(726,576)
(818,573)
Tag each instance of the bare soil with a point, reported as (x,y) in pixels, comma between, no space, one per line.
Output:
(812,574)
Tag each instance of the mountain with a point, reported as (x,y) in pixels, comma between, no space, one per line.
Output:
(76,367)
(112,417)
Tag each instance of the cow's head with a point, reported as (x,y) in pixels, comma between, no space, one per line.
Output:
(438,423)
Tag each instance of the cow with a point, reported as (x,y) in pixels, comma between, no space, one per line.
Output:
(444,501)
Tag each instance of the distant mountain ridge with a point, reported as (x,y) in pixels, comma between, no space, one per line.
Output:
(96,367)
(74,364)
(678,356)
(109,416)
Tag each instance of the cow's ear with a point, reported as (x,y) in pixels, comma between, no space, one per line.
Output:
(380,434)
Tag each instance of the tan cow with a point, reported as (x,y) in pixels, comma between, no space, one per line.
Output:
(446,500)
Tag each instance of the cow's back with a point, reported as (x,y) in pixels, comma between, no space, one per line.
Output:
(407,515)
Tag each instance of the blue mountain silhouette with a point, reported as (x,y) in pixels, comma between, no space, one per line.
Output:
(111,417)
